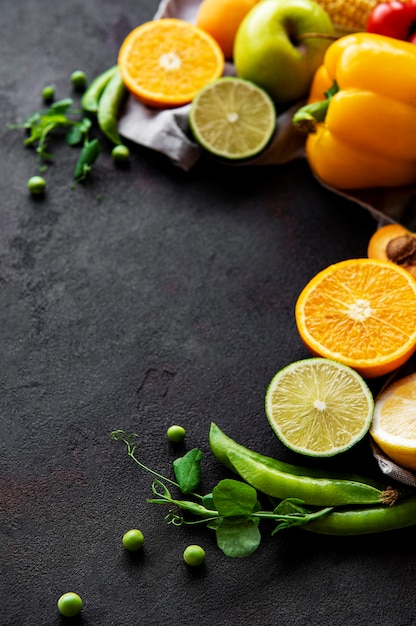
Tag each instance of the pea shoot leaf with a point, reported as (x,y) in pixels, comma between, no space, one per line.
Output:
(74,136)
(234,498)
(187,470)
(60,106)
(41,124)
(238,537)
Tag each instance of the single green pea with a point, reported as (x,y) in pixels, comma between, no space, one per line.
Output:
(48,93)
(120,154)
(175,433)
(36,185)
(79,79)
(194,555)
(69,604)
(133,540)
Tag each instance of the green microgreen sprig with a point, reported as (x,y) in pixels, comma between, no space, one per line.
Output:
(232,509)
(60,116)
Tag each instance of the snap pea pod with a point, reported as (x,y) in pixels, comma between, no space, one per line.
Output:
(92,95)
(221,445)
(313,491)
(109,106)
(282,480)
(366,520)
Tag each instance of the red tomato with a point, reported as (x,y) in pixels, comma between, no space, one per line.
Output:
(394,19)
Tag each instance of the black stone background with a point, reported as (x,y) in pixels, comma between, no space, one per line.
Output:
(147,297)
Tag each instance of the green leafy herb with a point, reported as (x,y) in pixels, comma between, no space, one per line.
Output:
(238,537)
(187,470)
(232,498)
(232,510)
(60,116)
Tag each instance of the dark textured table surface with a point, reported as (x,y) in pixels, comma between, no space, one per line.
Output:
(146,297)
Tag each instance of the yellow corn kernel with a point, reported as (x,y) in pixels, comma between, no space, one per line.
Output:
(350,15)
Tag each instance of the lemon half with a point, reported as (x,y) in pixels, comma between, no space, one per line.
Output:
(394,423)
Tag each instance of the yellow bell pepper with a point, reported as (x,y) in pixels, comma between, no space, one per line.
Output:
(363,134)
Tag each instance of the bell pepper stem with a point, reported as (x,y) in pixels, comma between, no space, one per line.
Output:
(307,118)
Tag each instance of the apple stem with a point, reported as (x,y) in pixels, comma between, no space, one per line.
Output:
(317,36)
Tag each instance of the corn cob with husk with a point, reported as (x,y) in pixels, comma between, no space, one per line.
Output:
(349,15)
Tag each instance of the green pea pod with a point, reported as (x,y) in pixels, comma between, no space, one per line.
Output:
(313,491)
(366,521)
(109,107)
(221,445)
(282,480)
(89,154)
(91,96)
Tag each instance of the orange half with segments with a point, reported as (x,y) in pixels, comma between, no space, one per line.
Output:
(165,62)
(362,313)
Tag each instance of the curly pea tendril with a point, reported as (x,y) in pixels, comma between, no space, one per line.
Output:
(232,509)
(234,512)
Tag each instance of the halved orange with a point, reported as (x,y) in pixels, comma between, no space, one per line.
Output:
(165,62)
(362,313)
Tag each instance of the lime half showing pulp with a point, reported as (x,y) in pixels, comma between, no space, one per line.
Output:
(319,407)
(232,118)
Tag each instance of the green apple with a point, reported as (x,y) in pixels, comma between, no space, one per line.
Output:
(270,48)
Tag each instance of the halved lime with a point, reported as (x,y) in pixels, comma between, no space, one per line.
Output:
(319,407)
(232,118)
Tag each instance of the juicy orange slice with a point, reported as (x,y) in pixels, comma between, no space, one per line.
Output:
(394,421)
(360,312)
(165,62)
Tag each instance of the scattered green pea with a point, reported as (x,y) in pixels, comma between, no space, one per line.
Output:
(69,604)
(36,185)
(194,555)
(175,433)
(133,540)
(120,154)
(48,93)
(79,79)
